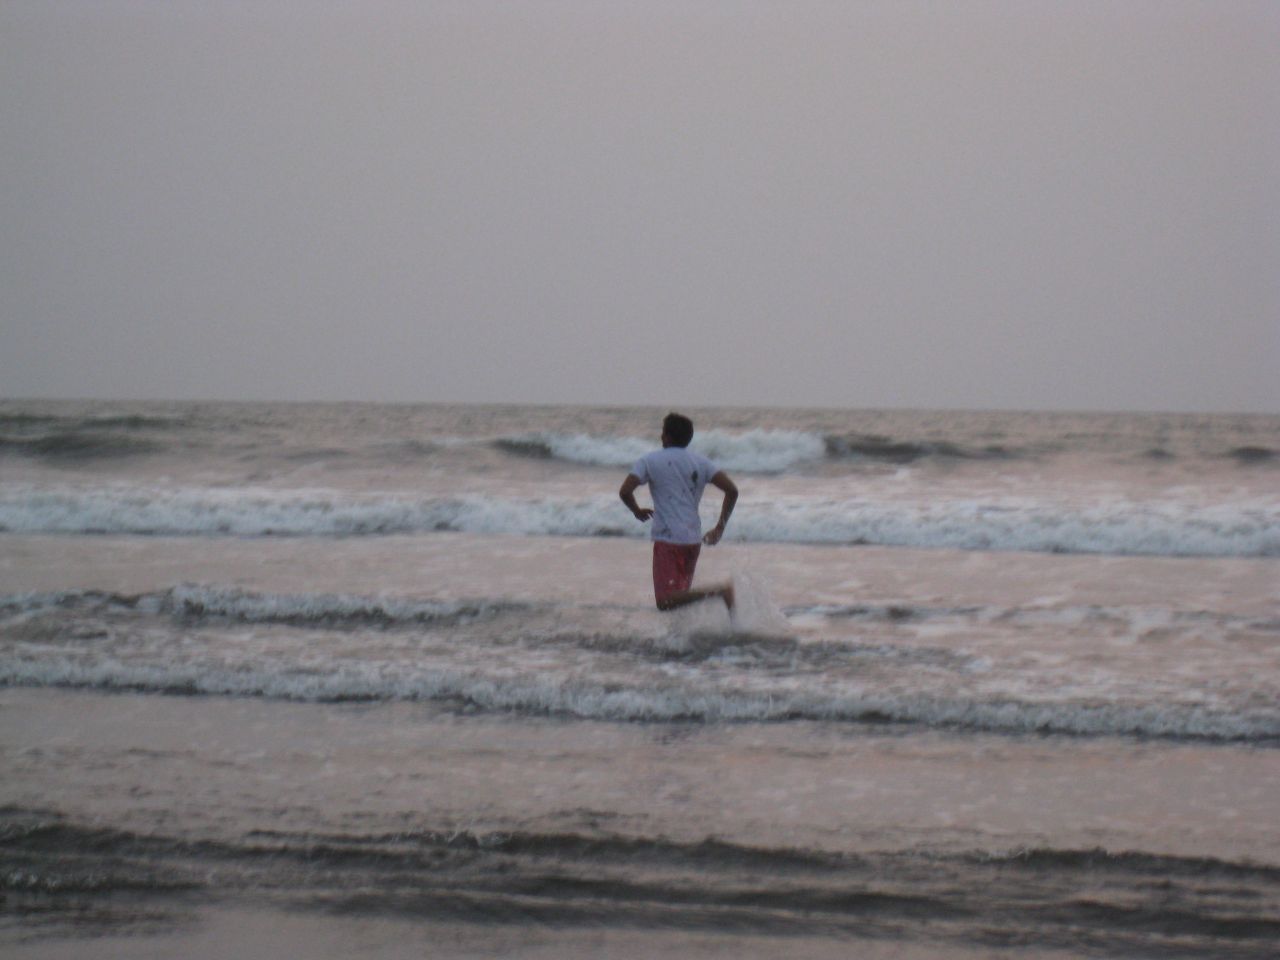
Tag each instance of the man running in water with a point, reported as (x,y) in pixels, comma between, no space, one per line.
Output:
(676,477)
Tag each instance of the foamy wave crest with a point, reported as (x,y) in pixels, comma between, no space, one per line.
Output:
(1159,528)
(325,609)
(261,512)
(755,451)
(760,451)
(593,663)
(1249,529)
(557,695)
(579,448)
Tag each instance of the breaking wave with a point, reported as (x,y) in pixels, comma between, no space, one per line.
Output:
(459,653)
(752,451)
(328,610)
(1248,528)
(583,698)
(755,451)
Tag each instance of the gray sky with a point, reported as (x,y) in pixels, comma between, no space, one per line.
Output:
(980,204)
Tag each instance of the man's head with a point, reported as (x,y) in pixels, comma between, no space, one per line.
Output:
(677,430)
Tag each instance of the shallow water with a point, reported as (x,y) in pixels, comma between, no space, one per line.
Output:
(254,701)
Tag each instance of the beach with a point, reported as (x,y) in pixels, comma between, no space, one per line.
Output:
(361,681)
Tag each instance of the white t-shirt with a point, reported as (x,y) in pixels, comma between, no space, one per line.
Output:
(676,477)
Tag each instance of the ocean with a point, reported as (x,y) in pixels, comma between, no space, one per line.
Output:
(358,681)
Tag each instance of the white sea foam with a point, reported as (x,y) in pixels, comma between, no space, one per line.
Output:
(557,694)
(763,451)
(1249,528)
(616,664)
(596,451)
(264,512)
(755,614)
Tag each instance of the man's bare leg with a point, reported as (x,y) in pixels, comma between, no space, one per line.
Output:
(683,598)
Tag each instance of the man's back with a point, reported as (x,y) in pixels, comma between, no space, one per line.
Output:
(676,477)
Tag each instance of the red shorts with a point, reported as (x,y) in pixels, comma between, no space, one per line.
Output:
(673,565)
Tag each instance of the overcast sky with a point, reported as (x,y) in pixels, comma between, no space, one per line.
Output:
(982,204)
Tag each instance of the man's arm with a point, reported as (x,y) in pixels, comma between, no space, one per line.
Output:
(722,481)
(628,495)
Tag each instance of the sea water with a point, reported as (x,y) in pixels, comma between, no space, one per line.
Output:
(365,681)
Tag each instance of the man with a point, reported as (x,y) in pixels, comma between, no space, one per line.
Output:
(676,477)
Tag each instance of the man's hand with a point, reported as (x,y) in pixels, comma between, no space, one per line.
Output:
(628,495)
(721,480)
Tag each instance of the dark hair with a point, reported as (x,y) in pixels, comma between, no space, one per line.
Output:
(678,428)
